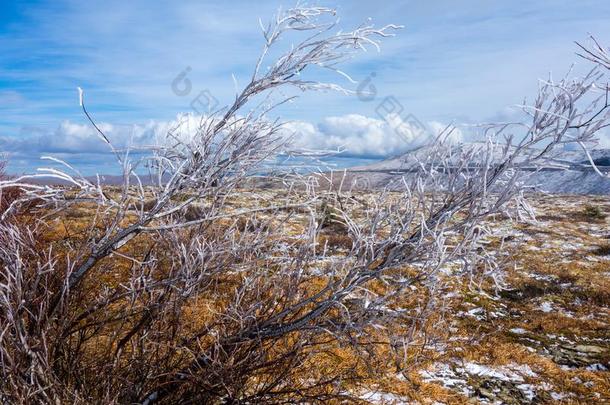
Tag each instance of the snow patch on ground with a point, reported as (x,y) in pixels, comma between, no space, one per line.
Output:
(546,307)
(446,376)
(512,373)
(528,390)
(456,377)
(597,367)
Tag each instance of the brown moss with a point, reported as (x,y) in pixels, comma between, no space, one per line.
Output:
(336,241)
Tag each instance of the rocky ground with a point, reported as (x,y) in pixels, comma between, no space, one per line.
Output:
(544,336)
(538,334)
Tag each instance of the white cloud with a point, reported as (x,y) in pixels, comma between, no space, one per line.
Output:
(454,134)
(365,136)
(604,140)
(356,135)
(75,138)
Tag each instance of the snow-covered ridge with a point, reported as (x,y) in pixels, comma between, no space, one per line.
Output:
(569,172)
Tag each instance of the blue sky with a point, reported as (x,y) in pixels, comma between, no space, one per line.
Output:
(455,61)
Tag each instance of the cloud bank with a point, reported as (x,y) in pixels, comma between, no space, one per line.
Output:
(361,136)
(353,134)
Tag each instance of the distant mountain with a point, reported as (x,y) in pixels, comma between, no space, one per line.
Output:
(569,173)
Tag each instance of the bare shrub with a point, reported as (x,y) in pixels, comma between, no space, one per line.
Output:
(194,291)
